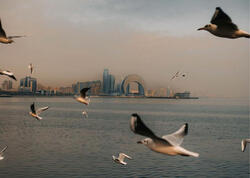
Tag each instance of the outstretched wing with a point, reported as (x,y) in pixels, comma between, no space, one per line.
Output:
(122,156)
(244,144)
(177,137)
(222,20)
(32,107)
(2,32)
(9,74)
(42,109)
(11,37)
(5,148)
(83,92)
(176,75)
(138,127)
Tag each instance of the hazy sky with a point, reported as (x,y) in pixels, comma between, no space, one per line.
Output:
(74,40)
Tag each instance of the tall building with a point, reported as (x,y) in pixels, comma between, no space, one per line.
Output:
(28,84)
(106,81)
(7,85)
(112,84)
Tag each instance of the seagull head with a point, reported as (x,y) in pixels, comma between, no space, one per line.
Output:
(145,141)
(208,27)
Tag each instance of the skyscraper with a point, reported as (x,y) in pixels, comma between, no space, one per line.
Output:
(106,81)
(28,83)
(7,85)
(112,84)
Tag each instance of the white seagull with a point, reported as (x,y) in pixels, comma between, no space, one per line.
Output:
(167,144)
(244,144)
(120,159)
(83,98)
(35,113)
(3,38)
(7,73)
(31,68)
(1,153)
(178,74)
(85,114)
(222,26)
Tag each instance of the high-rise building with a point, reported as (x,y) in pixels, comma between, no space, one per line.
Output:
(106,81)
(28,84)
(7,85)
(112,84)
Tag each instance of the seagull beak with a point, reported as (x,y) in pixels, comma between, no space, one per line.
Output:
(201,28)
(139,142)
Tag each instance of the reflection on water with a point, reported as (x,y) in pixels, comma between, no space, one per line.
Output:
(65,144)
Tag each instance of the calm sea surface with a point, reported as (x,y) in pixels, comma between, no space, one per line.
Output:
(65,144)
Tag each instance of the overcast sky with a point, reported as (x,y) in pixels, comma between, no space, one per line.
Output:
(74,40)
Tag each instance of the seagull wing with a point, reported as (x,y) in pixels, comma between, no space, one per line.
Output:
(32,107)
(3,149)
(244,144)
(9,74)
(122,156)
(2,32)
(41,110)
(222,20)
(177,137)
(176,75)
(11,37)
(83,92)
(138,127)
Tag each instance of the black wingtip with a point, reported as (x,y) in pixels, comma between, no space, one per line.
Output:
(135,115)
(186,128)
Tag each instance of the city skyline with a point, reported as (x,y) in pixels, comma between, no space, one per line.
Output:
(127,38)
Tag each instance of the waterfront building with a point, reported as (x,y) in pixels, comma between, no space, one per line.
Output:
(106,81)
(28,84)
(7,85)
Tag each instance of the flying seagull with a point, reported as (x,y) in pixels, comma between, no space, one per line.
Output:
(1,153)
(35,113)
(222,26)
(83,98)
(120,159)
(167,144)
(3,38)
(85,114)
(31,68)
(244,144)
(178,74)
(7,73)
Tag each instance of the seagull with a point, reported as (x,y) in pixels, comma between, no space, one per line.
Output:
(167,144)
(222,26)
(7,73)
(178,74)
(83,98)
(1,153)
(31,68)
(85,114)
(244,144)
(3,38)
(120,159)
(35,113)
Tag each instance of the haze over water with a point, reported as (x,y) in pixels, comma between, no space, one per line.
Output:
(64,144)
